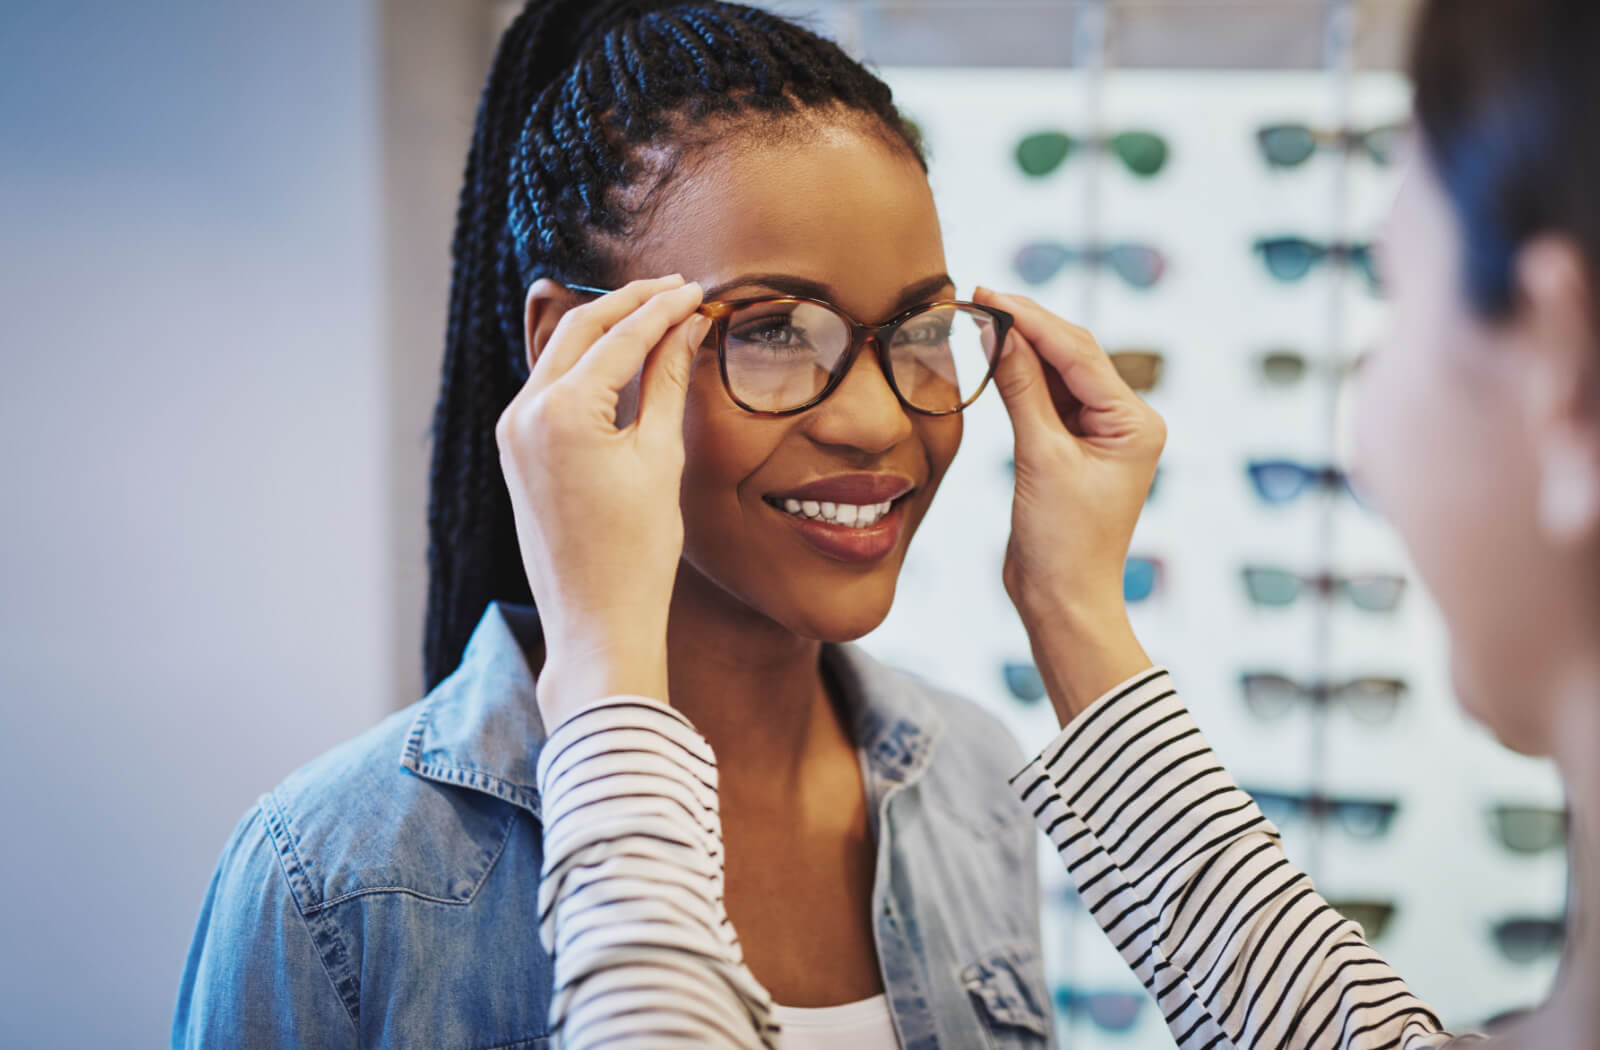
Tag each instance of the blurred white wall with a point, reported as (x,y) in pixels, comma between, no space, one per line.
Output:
(194,585)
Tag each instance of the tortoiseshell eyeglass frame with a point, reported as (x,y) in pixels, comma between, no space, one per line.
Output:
(720,310)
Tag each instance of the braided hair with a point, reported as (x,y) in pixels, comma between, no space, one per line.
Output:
(590,108)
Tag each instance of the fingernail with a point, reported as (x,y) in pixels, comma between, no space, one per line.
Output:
(981,290)
(696,330)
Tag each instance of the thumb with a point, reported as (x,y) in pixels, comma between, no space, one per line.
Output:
(665,384)
(1020,378)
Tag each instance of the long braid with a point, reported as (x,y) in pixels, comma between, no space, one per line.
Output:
(554,180)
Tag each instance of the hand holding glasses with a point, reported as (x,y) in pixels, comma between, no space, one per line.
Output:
(781,354)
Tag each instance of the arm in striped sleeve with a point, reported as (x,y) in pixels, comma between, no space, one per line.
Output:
(1190,882)
(631,895)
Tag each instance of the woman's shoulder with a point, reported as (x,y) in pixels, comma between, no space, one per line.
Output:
(356,820)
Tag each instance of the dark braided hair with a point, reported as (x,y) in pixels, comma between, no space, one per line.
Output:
(557,176)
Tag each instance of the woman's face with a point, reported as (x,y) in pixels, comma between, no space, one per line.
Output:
(1439,444)
(839,216)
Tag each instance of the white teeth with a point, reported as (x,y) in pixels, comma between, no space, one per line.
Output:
(848,514)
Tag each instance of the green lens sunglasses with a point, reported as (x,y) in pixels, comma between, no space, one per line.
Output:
(1142,152)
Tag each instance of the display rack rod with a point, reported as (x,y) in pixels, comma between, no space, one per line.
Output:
(1340,48)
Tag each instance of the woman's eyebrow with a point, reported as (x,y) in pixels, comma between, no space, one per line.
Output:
(789,284)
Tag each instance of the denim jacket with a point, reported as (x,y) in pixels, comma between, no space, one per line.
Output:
(385,894)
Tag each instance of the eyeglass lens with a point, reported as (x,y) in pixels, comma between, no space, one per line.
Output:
(781,353)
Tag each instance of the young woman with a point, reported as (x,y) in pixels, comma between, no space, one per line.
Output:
(1478,434)
(386,894)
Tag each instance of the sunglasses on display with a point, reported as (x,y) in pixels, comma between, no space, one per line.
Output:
(1288,367)
(1140,369)
(781,354)
(1290,145)
(1280,481)
(1139,265)
(1529,829)
(1141,576)
(1023,680)
(1371,592)
(1527,939)
(1144,153)
(1372,699)
(1112,1011)
(1360,818)
(1373,916)
(1291,258)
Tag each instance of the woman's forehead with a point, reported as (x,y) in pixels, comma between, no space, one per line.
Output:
(841,209)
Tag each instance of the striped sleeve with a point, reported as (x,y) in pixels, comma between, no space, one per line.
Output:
(1190,882)
(631,892)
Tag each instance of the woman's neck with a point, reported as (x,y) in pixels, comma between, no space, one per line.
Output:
(752,687)
(1570,1017)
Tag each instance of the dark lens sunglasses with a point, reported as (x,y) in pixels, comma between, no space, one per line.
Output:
(1291,258)
(1290,145)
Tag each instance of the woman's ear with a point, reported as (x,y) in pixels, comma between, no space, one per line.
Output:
(1561,348)
(547,302)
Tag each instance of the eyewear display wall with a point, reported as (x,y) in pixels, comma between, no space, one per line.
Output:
(1230,289)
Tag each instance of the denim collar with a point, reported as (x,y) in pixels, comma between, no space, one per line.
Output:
(480,727)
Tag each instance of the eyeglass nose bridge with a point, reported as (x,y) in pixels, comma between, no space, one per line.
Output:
(860,334)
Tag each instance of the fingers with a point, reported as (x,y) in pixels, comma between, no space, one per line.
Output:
(618,355)
(665,386)
(582,326)
(1072,351)
(1021,380)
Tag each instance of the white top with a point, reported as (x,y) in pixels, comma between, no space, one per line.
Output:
(1176,863)
(861,1025)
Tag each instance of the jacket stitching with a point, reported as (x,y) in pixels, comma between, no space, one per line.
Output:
(505,839)
(345,987)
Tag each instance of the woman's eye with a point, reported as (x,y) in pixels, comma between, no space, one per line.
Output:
(775,335)
(924,334)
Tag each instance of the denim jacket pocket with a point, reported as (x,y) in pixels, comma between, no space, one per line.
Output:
(1007,984)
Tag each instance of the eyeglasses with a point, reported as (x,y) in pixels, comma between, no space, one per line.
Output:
(1141,576)
(1525,939)
(1529,829)
(1144,153)
(1287,367)
(1291,258)
(1359,817)
(1290,145)
(1372,592)
(1279,481)
(1370,698)
(1140,265)
(779,355)
(1110,1010)
(1140,369)
(1371,915)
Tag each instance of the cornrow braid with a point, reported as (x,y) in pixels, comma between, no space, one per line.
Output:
(556,176)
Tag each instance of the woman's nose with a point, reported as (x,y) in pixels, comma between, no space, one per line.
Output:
(863,410)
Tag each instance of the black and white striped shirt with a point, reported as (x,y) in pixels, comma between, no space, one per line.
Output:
(1176,863)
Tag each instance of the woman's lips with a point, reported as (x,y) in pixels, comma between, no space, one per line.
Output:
(847,542)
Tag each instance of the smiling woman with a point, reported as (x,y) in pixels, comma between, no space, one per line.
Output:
(388,893)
